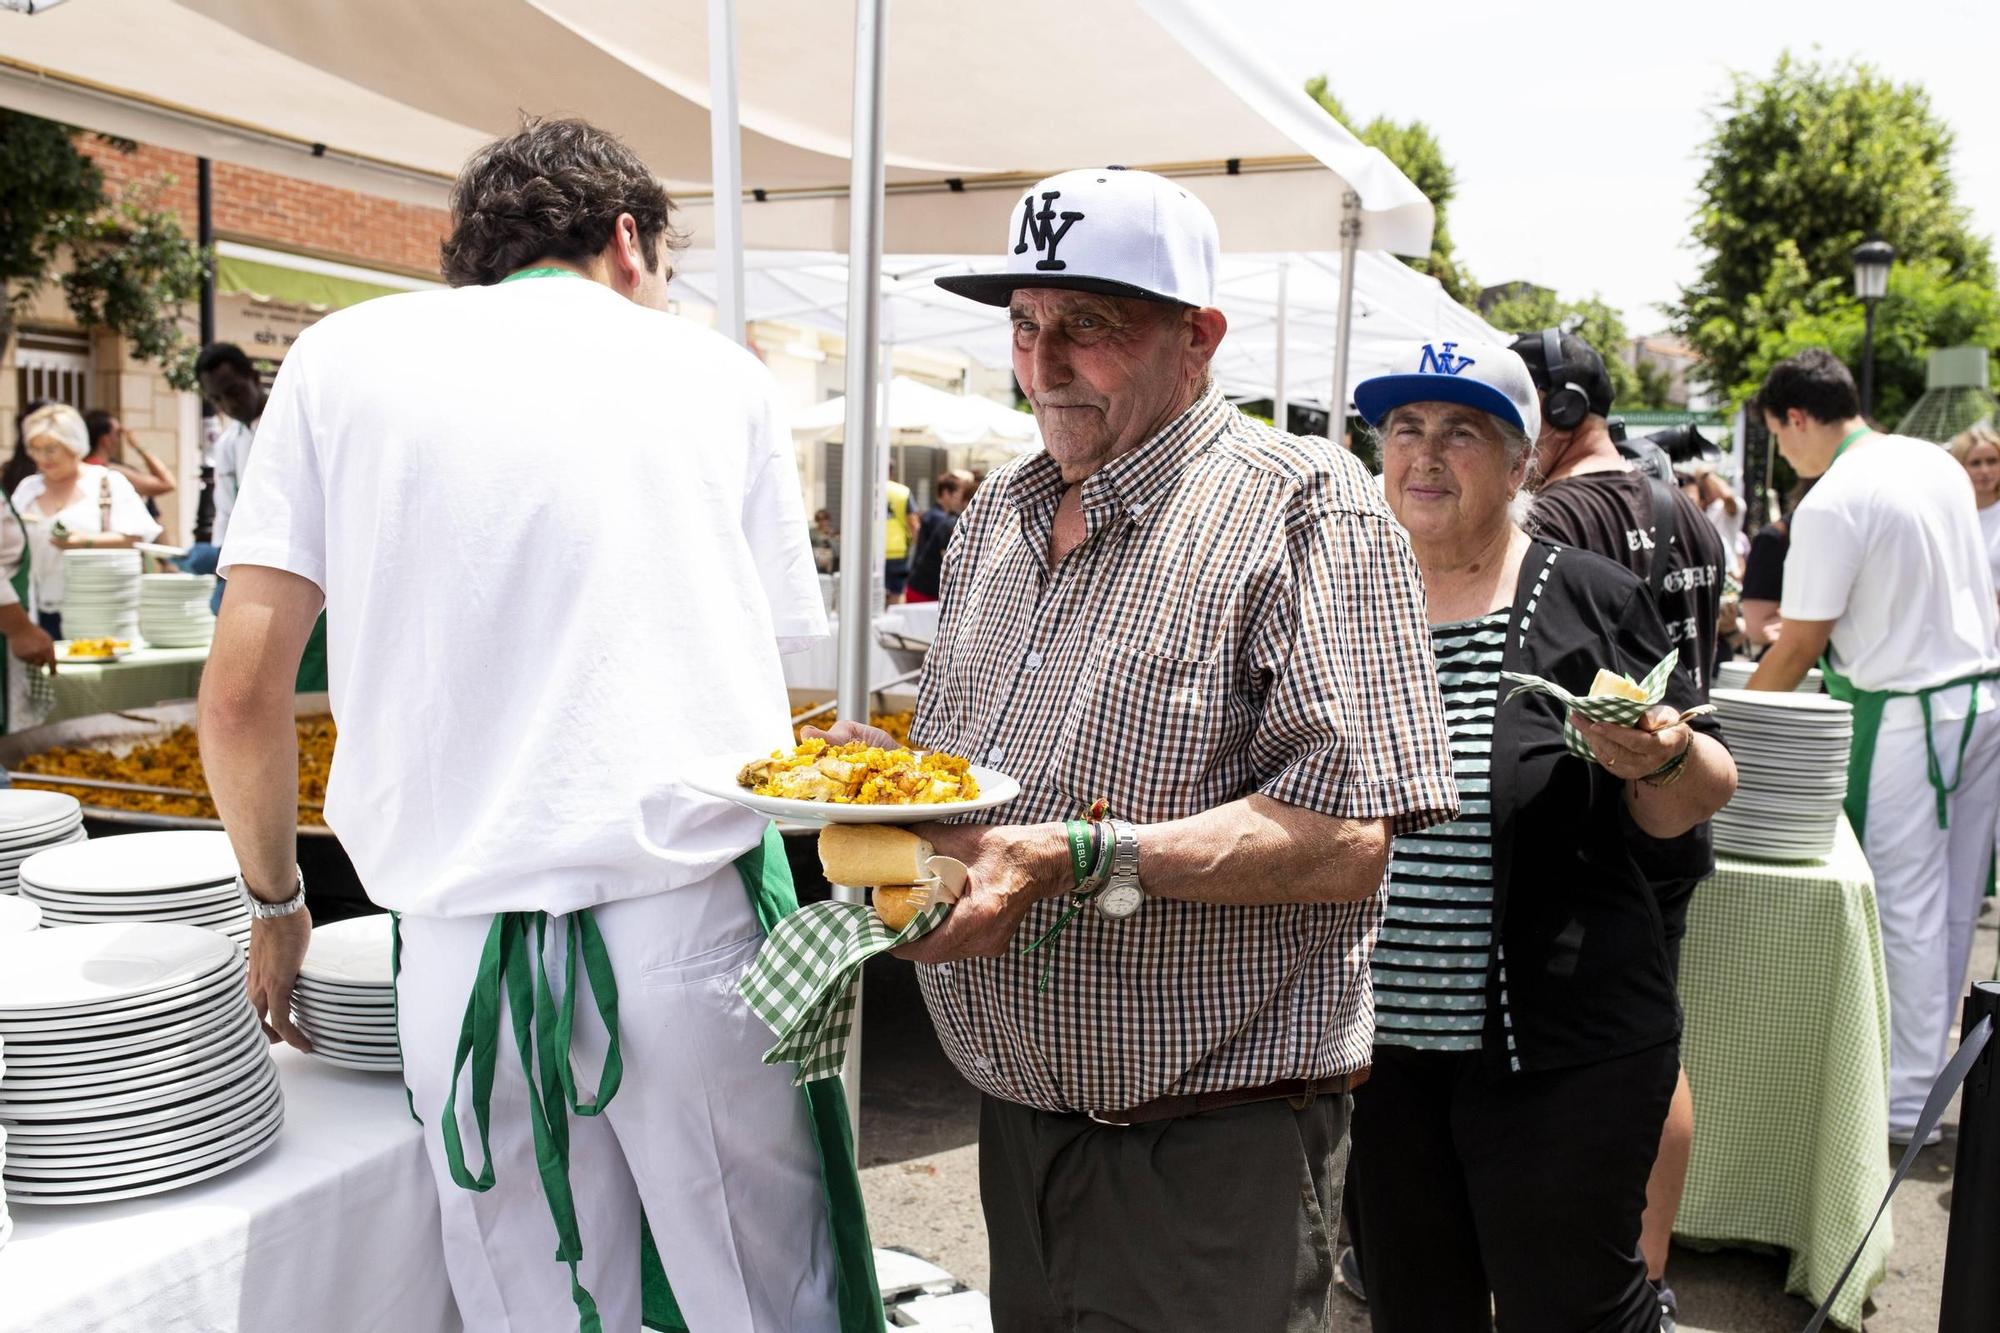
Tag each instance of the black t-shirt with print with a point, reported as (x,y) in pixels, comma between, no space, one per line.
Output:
(1611,513)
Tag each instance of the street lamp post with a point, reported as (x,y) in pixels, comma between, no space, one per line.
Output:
(1872,259)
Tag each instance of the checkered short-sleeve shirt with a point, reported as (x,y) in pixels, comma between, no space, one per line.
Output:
(1244,616)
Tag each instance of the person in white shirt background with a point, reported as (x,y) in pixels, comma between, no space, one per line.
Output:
(70,505)
(1978,452)
(1888,577)
(523,664)
(230,384)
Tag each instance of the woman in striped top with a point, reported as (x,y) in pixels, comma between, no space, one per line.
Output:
(1526,1033)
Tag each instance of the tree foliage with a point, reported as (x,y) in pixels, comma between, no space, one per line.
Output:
(1597,323)
(130,267)
(1802,166)
(1417,152)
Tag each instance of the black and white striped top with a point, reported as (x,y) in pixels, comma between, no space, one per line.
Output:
(1437,936)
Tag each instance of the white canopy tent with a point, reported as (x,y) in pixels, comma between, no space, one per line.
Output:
(916,413)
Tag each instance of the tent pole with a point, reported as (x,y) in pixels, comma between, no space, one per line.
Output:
(1350,245)
(860,498)
(1281,395)
(725,150)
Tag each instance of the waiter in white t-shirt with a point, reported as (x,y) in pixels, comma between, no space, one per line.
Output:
(559,540)
(1887,578)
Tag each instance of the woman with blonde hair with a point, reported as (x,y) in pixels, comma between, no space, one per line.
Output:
(69,504)
(1978,452)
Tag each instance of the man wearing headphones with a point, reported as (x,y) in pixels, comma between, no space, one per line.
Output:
(1590,497)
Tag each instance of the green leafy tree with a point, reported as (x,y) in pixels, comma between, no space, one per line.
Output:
(1802,166)
(1598,324)
(130,267)
(1417,152)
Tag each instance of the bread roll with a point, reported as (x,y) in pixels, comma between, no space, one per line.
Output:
(898,905)
(1610,683)
(865,855)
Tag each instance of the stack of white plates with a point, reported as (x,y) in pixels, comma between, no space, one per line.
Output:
(1791,764)
(18,916)
(1736,676)
(344,998)
(101,594)
(187,876)
(6,1222)
(173,610)
(32,822)
(134,1063)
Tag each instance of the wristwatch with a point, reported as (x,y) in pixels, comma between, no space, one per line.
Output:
(1122,896)
(263,911)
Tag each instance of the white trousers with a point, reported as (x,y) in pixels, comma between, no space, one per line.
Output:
(713,1144)
(1928,883)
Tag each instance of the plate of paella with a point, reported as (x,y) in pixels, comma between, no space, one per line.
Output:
(815,782)
(92,650)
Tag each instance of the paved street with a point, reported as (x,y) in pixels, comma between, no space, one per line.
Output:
(920,1173)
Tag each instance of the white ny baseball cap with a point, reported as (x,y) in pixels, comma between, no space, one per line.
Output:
(1487,376)
(1110,230)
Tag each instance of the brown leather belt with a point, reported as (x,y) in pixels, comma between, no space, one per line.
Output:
(1299,1091)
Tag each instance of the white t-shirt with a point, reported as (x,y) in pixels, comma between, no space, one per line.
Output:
(1989,525)
(84,514)
(1888,545)
(232,456)
(562,546)
(13,544)
(1729,527)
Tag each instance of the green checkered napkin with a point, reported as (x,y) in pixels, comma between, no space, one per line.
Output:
(1598,708)
(807,975)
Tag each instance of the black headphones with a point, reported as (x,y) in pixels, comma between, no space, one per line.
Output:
(1565,405)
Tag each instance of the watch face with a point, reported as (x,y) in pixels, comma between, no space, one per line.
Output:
(1119,901)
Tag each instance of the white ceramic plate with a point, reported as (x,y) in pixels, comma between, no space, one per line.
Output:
(198,992)
(118,1068)
(17,847)
(236,1131)
(95,1044)
(357,1001)
(23,811)
(197,1108)
(199,895)
(370,1066)
(92,965)
(193,1076)
(91,1139)
(136,862)
(18,916)
(717,777)
(354,952)
(144,1186)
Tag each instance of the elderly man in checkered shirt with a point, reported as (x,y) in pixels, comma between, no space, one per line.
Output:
(1217,630)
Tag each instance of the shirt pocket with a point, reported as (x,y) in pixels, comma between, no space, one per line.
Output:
(1140,733)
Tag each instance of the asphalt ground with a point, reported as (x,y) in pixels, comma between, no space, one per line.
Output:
(919,1155)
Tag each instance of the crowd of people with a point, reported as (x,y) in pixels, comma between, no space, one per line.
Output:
(1403,959)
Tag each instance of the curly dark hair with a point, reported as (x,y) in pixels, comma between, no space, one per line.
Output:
(1815,382)
(553,191)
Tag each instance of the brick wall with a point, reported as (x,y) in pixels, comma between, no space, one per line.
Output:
(285,212)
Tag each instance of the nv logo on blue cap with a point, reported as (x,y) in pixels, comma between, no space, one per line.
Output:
(1446,362)
(1042,228)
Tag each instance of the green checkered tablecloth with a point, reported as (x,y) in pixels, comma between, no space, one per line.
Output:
(145,677)
(1787,1051)
(805,979)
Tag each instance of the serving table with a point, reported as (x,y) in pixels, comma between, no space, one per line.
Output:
(1787,1052)
(333,1229)
(140,679)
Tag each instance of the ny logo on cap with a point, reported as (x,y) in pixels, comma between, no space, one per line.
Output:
(1446,362)
(1041,227)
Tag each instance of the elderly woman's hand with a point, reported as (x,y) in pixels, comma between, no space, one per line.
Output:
(1637,752)
(840,733)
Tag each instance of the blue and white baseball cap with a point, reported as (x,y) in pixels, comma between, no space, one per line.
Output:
(1484,375)
(1105,229)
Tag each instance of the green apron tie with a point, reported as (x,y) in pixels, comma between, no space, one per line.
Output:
(513,959)
(1868,707)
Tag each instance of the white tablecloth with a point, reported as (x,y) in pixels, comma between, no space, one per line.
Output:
(333,1230)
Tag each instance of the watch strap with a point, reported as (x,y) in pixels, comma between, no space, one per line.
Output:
(263,911)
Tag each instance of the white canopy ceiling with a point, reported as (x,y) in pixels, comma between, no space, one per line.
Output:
(919,414)
(1394,305)
(390,97)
